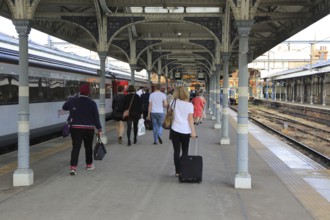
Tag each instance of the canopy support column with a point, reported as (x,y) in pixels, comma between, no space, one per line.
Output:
(225,131)
(23,176)
(103,56)
(243,178)
(217,124)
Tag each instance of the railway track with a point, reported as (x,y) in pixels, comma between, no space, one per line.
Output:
(313,140)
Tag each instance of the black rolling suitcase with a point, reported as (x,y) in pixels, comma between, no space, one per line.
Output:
(191,167)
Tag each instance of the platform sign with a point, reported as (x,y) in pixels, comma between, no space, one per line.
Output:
(189,76)
(201,76)
(177,75)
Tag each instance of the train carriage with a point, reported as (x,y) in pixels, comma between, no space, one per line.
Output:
(54,76)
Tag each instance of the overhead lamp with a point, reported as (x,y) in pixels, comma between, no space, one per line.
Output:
(179,34)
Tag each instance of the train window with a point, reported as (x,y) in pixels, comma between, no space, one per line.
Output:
(8,89)
(57,91)
(38,89)
(71,88)
(95,90)
(108,91)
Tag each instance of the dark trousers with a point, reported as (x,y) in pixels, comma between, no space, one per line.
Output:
(129,128)
(180,142)
(78,136)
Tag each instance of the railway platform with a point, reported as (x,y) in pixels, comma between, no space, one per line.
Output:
(138,182)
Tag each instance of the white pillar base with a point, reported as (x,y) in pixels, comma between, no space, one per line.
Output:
(213,117)
(243,181)
(217,125)
(225,141)
(23,177)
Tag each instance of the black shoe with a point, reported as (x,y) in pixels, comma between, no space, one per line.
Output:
(135,140)
(129,143)
(160,140)
(155,143)
(119,140)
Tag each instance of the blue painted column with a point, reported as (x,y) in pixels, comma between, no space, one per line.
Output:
(103,56)
(281,84)
(311,90)
(132,66)
(149,79)
(292,90)
(23,176)
(211,95)
(302,90)
(225,131)
(149,68)
(286,90)
(267,87)
(243,178)
(214,96)
(217,124)
(324,89)
(208,98)
(159,71)
(166,79)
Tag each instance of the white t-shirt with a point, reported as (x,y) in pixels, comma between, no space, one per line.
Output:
(157,99)
(181,111)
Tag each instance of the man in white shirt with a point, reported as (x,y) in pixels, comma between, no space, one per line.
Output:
(157,102)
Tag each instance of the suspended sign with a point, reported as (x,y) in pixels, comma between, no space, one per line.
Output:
(177,75)
(201,76)
(189,76)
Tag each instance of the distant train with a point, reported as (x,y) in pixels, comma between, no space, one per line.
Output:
(53,77)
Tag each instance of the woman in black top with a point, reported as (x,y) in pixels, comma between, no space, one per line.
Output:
(133,103)
(117,112)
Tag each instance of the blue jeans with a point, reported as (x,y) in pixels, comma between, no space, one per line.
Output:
(157,121)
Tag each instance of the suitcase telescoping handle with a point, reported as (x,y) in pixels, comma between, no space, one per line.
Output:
(196,141)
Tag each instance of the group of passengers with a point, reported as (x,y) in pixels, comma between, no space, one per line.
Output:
(151,106)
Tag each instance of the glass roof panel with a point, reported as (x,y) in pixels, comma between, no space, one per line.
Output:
(203,10)
(176,10)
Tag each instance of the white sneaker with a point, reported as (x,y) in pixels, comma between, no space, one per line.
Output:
(90,167)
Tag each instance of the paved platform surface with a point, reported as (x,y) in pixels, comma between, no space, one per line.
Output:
(138,183)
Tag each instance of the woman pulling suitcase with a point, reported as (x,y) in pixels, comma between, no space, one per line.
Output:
(183,125)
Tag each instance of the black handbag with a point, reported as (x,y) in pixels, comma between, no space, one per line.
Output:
(99,150)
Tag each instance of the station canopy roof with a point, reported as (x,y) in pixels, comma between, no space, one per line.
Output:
(186,35)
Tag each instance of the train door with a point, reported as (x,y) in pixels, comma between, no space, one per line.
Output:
(117,83)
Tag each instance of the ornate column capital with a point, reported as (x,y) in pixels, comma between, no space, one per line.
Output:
(103,55)
(225,56)
(244,26)
(22,27)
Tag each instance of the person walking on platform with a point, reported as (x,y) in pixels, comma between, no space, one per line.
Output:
(85,116)
(183,125)
(145,103)
(133,103)
(117,112)
(157,102)
(199,103)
